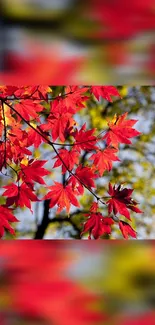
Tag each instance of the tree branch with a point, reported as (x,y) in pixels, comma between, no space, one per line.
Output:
(41,229)
(5,134)
(45,221)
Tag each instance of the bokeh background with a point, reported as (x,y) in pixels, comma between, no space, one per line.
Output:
(77,283)
(136,170)
(77,42)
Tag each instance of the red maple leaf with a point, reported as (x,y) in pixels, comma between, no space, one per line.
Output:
(85,177)
(19,195)
(97,225)
(85,140)
(60,121)
(105,91)
(35,92)
(16,132)
(103,159)
(121,201)
(94,207)
(42,91)
(34,138)
(29,109)
(6,91)
(70,158)
(127,230)
(61,195)
(15,151)
(33,172)
(120,131)
(6,216)
(39,92)
(75,98)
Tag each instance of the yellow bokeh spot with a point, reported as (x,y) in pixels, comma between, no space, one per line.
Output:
(124,91)
(37,154)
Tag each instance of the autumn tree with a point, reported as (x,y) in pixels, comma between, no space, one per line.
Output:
(43,121)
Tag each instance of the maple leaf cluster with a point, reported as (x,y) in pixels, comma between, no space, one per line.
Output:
(30,116)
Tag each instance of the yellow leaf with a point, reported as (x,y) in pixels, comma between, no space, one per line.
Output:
(25,161)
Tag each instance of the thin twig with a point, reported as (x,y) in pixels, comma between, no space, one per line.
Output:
(33,98)
(5,134)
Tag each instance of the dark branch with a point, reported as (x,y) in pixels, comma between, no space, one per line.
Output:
(41,229)
(45,221)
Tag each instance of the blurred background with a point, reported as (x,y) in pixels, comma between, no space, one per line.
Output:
(77,42)
(77,283)
(136,170)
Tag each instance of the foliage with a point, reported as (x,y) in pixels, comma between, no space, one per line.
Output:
(32,115)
